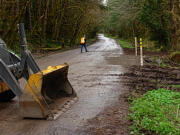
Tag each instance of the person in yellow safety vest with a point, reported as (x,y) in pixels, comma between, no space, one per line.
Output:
(83,44)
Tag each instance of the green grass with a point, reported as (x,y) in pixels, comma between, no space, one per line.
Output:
(163,65)
(156,113)
(52,44)
(16,50)
(122,42)
(153,81)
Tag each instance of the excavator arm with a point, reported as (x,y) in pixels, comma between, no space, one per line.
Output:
(48,93)
(7,77)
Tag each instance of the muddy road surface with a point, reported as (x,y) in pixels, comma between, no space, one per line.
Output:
(94,76)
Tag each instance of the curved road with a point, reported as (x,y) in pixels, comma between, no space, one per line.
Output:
(94,76)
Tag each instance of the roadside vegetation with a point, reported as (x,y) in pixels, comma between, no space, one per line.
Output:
(156,112)
(124,43)
(154,98)
(156,21)
(51,23)
(154,109)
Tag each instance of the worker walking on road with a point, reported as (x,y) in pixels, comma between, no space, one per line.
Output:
(83,44)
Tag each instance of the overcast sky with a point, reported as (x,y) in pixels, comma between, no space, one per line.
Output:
(104,1)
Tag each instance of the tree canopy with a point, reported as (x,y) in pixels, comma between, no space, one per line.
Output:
(155,20)
(62,21)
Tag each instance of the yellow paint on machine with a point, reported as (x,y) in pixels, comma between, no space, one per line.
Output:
(45,90)
(52,68)
(3,87)
(32,95)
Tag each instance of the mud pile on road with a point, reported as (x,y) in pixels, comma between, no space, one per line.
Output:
(136,81)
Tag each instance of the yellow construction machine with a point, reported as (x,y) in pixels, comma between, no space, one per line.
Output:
(47,94)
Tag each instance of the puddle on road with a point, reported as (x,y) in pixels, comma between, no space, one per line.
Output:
(123,60)
(108,45)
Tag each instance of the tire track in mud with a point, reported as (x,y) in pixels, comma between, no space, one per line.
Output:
(151,77)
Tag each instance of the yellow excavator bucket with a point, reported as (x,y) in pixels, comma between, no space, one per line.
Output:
(3,87)
(47,94)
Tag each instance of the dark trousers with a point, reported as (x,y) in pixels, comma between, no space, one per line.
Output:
(83,45)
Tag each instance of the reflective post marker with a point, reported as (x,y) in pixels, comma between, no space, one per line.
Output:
(136,46)
(141,52)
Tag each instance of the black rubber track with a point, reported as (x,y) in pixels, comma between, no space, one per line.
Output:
(6,96)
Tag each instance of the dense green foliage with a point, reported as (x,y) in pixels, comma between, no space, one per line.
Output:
(156,113)
(154,15)
(153,20)
(58,22)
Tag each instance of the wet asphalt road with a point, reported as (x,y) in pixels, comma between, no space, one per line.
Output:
(94,76)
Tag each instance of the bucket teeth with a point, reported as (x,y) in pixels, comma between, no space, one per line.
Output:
(48,94)
(58,112)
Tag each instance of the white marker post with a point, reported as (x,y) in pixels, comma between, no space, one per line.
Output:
(136,46)
(141,52)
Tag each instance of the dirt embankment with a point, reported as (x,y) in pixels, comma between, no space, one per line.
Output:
(151,77)
(136,81)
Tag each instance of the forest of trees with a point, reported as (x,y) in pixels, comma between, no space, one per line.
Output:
(47,21)
(157,21)
(63,22)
